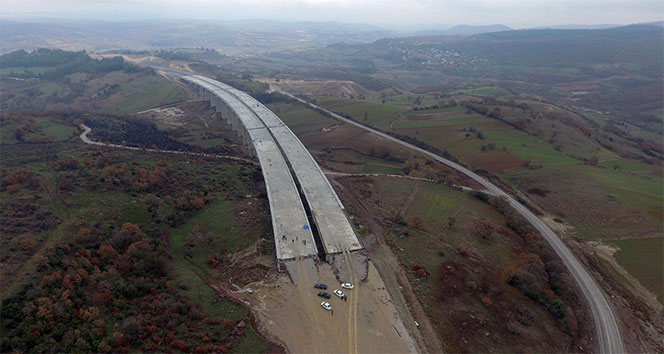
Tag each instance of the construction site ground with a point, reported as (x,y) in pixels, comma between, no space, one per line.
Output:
(289,312)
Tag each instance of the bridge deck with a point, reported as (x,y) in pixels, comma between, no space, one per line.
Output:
(292,234)
(327,210)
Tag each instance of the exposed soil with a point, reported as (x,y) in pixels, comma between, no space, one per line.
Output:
(393,275)
(338,88)
(286,307)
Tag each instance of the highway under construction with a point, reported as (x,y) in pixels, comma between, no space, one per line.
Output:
(308,219)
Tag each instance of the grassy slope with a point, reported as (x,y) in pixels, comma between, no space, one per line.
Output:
(367,164)
(643,259)
(217,217)
(45,127)
(151,96)
(439,244)
(53,129)
(625,185)
(21,70)
(301,119)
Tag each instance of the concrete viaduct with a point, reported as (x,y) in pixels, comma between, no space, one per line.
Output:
(308,219)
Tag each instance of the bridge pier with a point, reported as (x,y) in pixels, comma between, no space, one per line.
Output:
(225,112)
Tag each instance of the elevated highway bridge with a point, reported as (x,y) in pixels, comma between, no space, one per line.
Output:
(308,218)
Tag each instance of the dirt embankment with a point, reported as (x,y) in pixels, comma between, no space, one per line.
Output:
(641,315)
(337,88)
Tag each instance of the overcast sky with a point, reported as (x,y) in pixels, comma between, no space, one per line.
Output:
(514,13)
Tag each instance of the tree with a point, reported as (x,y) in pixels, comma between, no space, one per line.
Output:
(416,222)
(28,242)
(486,302)
(13,188)
(130,229)
(452,180)
(107,252)
(592,161)
(482,228)
(198,203)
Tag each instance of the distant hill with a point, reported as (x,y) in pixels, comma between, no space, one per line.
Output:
(146,35)
(604,52)
(577,26)
(617,69)
(463,30)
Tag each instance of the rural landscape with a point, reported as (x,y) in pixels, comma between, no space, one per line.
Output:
(182,186)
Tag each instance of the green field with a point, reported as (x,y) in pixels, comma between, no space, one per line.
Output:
(448,116)
(254,86)
(379,114)
(435,204)
(46,127)
(218,218)
(600,203)
(368,164)
(641,193)
(642,258)
(517,143)
(301,119)
(482,91)
(49,88)
(57,131)
(154,95)
(380,168)
(23,70)
(629,165)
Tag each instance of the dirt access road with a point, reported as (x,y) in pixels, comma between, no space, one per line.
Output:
(288,310)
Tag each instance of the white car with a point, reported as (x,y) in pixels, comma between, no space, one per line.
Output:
(326,305)
(339,293)
(347,285)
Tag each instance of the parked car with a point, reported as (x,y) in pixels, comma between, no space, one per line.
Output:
(326,305)
(340,294)
(320,286)
(324,294)
(347,285)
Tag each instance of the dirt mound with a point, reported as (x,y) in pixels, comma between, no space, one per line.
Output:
(338,88)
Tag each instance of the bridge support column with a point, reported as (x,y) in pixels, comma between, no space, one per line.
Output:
(234,121)
(246,140)
(217,101)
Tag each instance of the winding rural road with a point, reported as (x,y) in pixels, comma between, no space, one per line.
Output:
(86,130)
(605,322)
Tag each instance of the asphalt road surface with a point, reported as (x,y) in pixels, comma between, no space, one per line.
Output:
(605,322)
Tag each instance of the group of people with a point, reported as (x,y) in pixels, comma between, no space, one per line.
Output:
(304,242)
